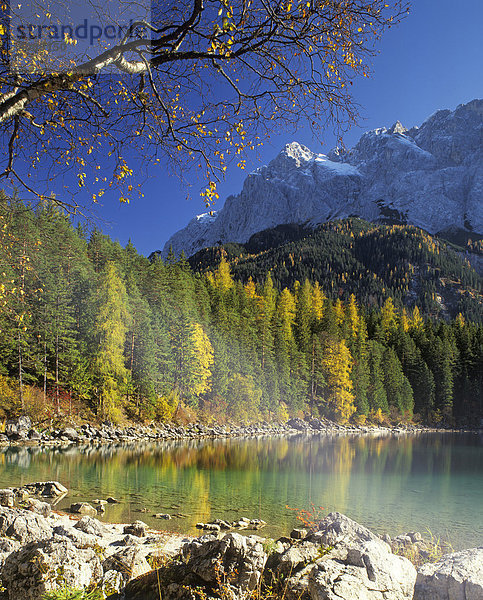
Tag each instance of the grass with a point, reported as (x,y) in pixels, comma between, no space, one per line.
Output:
(429,550)
(73,594)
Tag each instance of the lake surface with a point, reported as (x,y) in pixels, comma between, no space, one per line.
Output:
(391,484)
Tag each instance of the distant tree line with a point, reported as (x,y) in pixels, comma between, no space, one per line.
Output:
(87,323)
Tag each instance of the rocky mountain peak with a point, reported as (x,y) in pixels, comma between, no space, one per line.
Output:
(429,176)
(398,127)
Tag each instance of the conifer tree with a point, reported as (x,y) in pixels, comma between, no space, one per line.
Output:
(110,331)
(398,389)
(376,393)
(337,366)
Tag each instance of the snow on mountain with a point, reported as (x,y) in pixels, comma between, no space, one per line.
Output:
(431,176)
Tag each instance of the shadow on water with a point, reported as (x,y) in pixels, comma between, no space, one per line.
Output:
(389,483)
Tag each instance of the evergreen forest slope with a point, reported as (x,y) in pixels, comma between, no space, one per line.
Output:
(371,261)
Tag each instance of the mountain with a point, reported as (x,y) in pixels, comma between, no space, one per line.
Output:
(371,261)
(429,176)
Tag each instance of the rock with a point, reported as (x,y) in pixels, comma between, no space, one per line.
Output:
(138,528)
(37,506)
(298,534)
(91,526)
(111,582)
(19,435)
(242,557)
(336,528)
(6,497)
(7,545)
(48,565)
(83,508)
(49,489)
(296,557)
(70,433)
(34,435)
(130,562)
(147,587)
(78,538)
(100,502)
(162,516)
(21,494)
(457,576)
(298,424)
(222,523)
(24,423)
(257,523)
(100,505)
(415,536)
(361,577)
(296,586)
(357,565)
(209,526)
(112,500)
(130,540)
(24,526)
(242,523)
(18,429)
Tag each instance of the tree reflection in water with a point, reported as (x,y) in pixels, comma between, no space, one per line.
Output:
(387,482)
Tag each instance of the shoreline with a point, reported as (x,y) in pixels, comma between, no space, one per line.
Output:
(43,550)
(22,432)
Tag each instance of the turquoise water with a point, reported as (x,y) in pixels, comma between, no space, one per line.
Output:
(391,484)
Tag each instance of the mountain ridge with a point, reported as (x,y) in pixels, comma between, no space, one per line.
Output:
(429,176)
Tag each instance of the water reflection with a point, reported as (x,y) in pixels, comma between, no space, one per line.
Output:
(389,483)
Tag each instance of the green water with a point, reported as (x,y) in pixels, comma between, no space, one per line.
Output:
(391,484)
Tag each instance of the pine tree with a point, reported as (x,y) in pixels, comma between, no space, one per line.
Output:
(398,389)
(376,393)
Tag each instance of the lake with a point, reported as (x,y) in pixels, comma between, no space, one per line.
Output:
(390,483)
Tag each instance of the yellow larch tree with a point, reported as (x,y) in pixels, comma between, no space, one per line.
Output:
(337,365)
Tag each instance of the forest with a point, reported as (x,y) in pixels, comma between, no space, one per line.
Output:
(96,331)
(370,260)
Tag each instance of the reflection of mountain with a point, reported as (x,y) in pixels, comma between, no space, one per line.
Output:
(386,482)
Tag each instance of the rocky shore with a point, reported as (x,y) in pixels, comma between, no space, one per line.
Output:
(338,559)
(22,431)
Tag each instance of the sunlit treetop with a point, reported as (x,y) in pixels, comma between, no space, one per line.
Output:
(195,86)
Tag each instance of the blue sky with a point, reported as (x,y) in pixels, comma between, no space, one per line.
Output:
(432,60)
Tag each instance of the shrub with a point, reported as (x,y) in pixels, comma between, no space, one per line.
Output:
(9,398)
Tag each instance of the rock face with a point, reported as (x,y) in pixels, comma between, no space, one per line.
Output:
(41,553)
(341,560)
(241,558)
(457,576)
(235,561)
(43,566)
(431,177)
(23,526)
(358,565)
